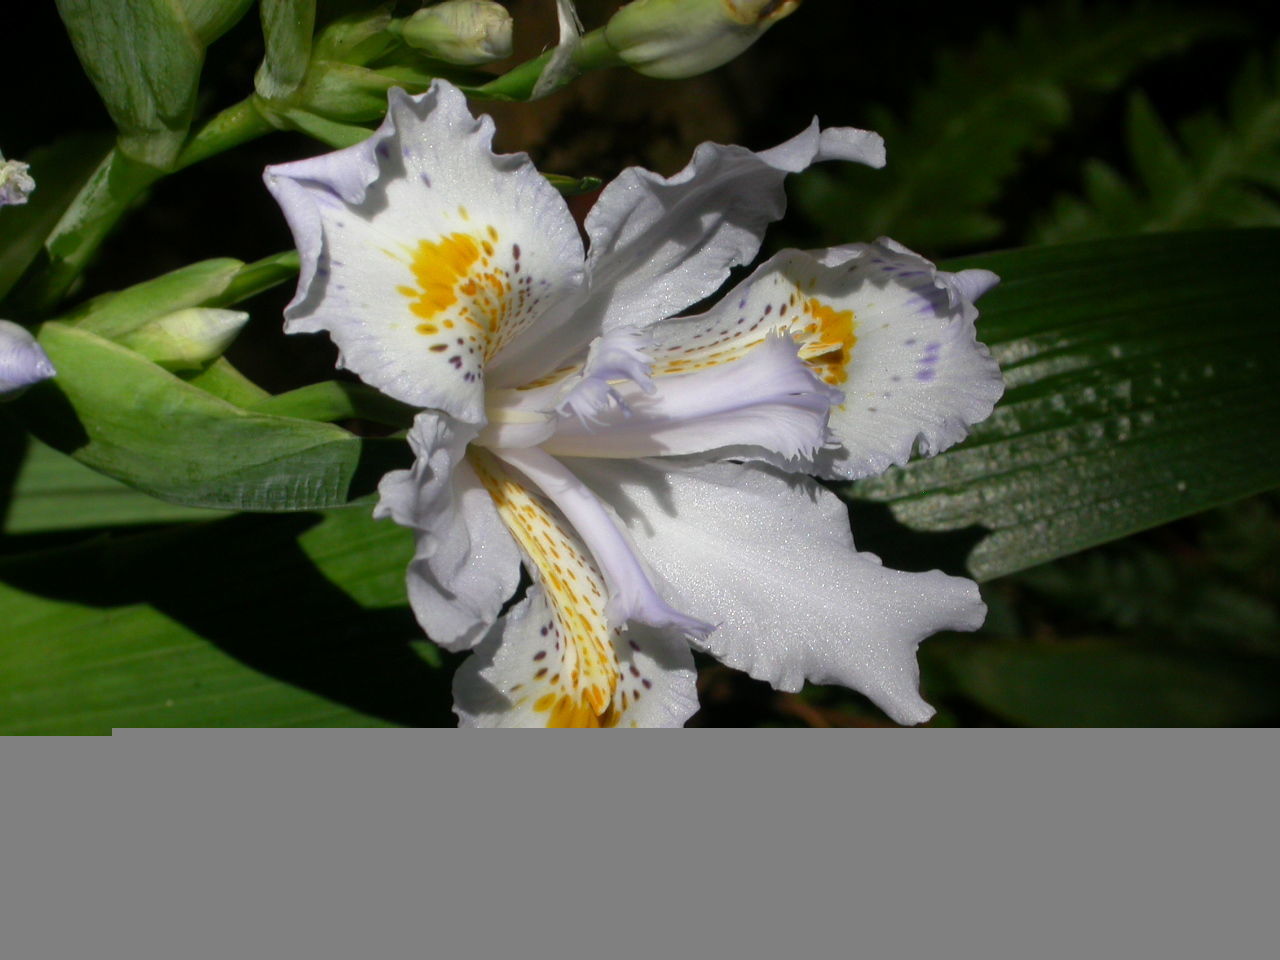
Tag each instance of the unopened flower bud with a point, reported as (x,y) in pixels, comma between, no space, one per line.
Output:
(186,339)
(465,32)
(15,182)
(682,38)
(22,360)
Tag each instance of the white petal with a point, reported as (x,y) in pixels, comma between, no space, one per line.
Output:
(659,244)
(424,253)
(466,565)
(917,378)
(767,398)
(880,323)
(22,360)
(617,357)
(515,678)
(769,558)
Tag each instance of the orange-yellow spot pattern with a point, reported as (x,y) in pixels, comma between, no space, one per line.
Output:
(825,337)
(458,280)
(581,676)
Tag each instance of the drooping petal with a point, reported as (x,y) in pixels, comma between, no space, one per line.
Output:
(659,244)
(875,321)
(631,595)
(466,565)
(769,558)
(517,677)
(576,652)
(424,253)
(768,398)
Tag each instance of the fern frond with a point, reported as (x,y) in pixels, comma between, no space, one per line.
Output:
(1213,173)
(967,130)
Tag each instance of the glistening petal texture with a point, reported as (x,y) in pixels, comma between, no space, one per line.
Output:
(466,565)
(917,378)
(515,678)
(770,560)
(660,244)
(425,254)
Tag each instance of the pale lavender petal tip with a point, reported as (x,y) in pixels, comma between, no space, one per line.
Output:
(22,360)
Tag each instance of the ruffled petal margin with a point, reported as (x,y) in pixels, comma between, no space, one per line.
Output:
(466,565)
(424,254)
(769,558)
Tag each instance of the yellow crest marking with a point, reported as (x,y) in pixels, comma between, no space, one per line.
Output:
(578,668)
(459,282)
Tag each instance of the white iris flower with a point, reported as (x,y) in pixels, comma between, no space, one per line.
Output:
(649,470)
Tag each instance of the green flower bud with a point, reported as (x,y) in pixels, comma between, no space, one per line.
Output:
(682,38)
(186,339)
(465,32)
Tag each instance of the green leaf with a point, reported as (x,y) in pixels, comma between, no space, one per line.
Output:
(287,26)
(1215,173)
(210,19)
(54,492)
(1093,683)
(239,622)
(62,168)
(126,417)
(1140,388)
(986,107)
(144,58)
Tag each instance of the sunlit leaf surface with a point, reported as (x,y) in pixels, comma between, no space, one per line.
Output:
(1141,388)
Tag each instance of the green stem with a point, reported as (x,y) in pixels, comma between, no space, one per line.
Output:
(237,124)
(110,192)
(593,53)
(253,278)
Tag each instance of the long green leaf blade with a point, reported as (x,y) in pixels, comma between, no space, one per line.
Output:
(240,622)
(1141,388)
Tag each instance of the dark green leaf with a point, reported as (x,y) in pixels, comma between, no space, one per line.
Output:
(1101,684)
(984,109)
(1141,388)
(240,622)
(1215,173)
